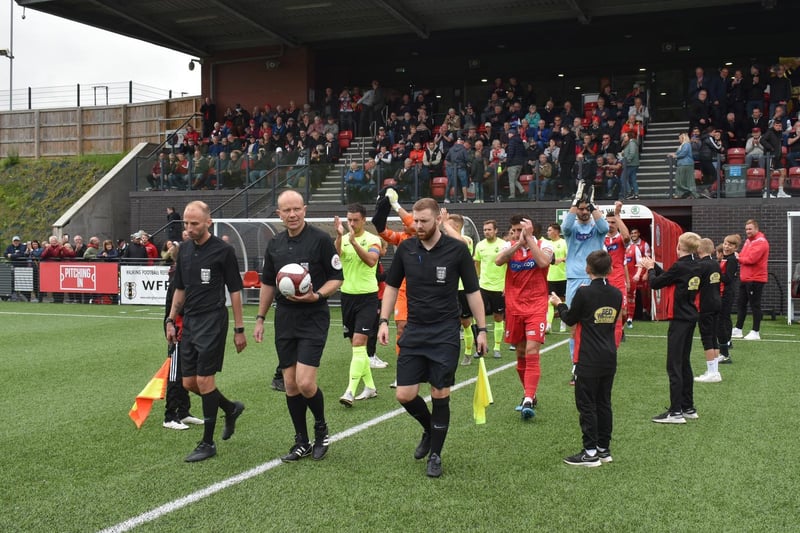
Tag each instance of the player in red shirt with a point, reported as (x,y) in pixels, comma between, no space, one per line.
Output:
(526,303)
(615,243)
(637,276)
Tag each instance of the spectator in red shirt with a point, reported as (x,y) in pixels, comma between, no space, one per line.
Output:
(753,276)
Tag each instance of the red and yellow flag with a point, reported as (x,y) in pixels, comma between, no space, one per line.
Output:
(483,394)
(154,390)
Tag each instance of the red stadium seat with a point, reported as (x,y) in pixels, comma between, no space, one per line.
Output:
(793,180)
(251,280)
(754,184)
(525,180)
(736,156)
(773,182)
(345,138)
(439,187)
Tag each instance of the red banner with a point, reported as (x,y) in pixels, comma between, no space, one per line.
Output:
(101,278)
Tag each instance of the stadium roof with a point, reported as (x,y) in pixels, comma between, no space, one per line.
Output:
(207,27)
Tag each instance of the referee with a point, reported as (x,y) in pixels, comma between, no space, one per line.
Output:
(432,265)
(301,322)
(205,267)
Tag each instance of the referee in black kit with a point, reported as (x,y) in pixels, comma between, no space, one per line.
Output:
(431,263)
(301,322)
(204,268)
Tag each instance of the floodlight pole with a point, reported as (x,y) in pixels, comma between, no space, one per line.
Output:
(11,59)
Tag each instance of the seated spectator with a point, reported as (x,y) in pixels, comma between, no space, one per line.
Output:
(532,116)
(331,127)
(469,118)
(639,111)
(542,135)
(793,144)
(612,171)
(757,120)
(295,175)
(548,112)
(633,125)
(191,134)
(356,182)
(157,179)
(607,146)
(543,176)
(733,135)
(234,178)
(568,114)
(199,169)
(602,112)
(383,164)
(315,125)
(452,122)
(753,149)
(259,168)
(380,139)
(552,151)
(180,173)
(405,177)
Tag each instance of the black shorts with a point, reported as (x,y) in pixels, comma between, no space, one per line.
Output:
(359,314)
(493,301)
(708,330)
(463,304)
(203,340)
(558,287)
(429,353)
(300,334)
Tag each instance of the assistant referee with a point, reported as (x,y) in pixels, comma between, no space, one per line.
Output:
(204,268)
(432,265)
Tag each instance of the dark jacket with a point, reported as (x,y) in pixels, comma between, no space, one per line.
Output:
(684,275)
(710,301)
(595,309)
(515,152)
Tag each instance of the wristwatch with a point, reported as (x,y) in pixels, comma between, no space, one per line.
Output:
(383,321)
(481,330)
(260,317)
(238,330)
(320,296)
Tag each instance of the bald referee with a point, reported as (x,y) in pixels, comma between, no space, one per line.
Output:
(432,265)
(205,267)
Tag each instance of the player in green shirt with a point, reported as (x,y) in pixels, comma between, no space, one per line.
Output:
(453,224)
(557,275)
(492,279)
(359,251)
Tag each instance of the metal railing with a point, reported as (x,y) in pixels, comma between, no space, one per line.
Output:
(78,95)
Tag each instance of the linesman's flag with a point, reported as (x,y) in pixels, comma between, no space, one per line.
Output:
(154,390)
(483,394)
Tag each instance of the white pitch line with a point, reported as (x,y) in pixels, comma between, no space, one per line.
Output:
(196,496)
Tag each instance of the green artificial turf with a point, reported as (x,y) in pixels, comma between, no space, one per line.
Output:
(72,460)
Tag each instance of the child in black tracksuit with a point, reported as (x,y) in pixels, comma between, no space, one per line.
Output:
(684,275)
(709,304)
(595,309)
(729,286)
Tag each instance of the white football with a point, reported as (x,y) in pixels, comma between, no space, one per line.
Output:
(293,280)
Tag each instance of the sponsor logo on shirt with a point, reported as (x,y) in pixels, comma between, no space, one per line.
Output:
(605,315)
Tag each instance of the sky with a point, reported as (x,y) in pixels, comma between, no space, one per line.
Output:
(53,52)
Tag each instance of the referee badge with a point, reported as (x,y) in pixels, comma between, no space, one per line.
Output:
(205,275)
(441,274)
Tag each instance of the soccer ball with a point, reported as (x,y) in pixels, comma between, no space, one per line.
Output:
(293,280)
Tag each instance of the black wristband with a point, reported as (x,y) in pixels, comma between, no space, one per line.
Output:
(320,296)
(168,320)
(238,330)
(481,330)
(262,317)
(383,321)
